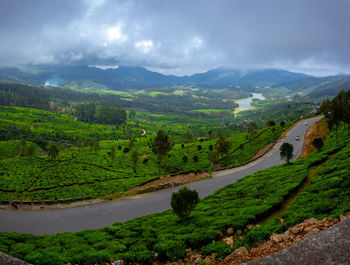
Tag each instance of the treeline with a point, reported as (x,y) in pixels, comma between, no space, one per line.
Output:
(92,112)
(23,96)
(108,109)
(337,110)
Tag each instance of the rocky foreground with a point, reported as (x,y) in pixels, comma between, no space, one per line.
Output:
(277,242)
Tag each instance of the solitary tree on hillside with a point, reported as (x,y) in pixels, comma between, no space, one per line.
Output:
(286,152)
(318,143)
(161,146)
(183,202)
(252,128)
(53,151)
(134,159)
(222,146)
(30,151)
(112,154)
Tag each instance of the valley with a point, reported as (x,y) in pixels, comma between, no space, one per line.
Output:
(79,165)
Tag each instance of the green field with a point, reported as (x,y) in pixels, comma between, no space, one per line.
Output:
(247,201)
(83,170)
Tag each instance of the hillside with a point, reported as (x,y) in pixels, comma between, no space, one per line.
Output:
(85,166)
(316,186)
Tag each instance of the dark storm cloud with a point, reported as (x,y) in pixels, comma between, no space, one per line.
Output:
(179,36)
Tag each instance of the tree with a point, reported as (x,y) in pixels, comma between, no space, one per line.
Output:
(112,154)
(183,202)
(318,143)
(30,150)
(334,112)
(189,136)
(134,159)
(53,151)
(161,146)
(132,113)
(252,128)
(286,152)
(210,134)
(222,146)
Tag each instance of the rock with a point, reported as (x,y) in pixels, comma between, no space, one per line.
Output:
(296,230)
(254,251)
(239,253)
(342,218)
(230,231)
(311,221)
(276,238)
(314,231)
(347,214)
(249,226)
(229,241)
(309,228)
(287,233)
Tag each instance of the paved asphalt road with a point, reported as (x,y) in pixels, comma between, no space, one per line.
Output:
(106,213)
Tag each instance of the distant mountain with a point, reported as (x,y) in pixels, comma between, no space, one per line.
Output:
(331,89)
(125,78)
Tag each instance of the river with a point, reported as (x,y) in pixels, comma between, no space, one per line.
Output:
(246,103)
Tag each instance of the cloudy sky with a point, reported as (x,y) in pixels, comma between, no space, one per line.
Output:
(178,36)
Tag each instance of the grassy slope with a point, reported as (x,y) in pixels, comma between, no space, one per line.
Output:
(80,171)
(245,202)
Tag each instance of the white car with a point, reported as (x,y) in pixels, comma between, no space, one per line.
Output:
(297,138)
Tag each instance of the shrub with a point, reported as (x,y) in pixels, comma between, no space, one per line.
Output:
(184,159)
(199,147)
(126,150)
(195,159)
(183,202)
(218,247)
(170,249)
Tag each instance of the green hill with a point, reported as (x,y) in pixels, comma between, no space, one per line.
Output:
(248,201)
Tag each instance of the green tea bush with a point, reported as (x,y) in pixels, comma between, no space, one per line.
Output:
(170,249)
(219,248)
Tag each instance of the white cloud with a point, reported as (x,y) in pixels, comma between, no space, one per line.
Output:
(115,34)
(144,46)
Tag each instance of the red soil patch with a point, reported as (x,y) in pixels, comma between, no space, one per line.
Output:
(166,182)
(318,129)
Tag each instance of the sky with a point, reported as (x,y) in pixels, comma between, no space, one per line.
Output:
(178,36)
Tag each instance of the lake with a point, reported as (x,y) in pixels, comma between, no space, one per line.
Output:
(246,103)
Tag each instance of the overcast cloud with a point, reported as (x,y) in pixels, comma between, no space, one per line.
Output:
(179,36)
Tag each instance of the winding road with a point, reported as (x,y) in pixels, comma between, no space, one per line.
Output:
(106,213)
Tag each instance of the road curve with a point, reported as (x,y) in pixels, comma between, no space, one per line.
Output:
(104,214)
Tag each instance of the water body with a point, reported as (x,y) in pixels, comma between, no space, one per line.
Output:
(246,103)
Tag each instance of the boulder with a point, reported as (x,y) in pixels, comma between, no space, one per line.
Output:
(276,238)
(296,230)
(240,253)
(229,241)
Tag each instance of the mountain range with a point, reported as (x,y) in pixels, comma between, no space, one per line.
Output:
(134,78)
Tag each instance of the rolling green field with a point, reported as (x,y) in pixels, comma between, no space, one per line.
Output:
(247,201)
(86,170)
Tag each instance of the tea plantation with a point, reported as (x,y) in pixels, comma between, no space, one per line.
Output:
(95,160)
(248,201)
